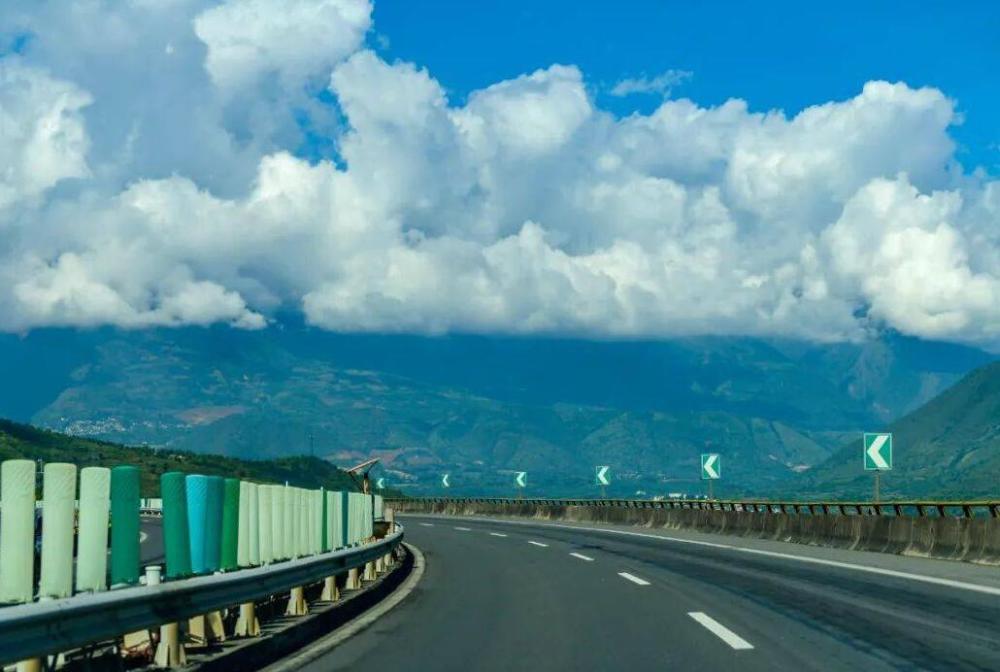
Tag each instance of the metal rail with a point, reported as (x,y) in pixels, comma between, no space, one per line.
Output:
(922,508)
(40,628)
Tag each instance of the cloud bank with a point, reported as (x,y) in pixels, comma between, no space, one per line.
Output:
(172,163)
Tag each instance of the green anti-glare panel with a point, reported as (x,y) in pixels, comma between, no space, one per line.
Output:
(58,511)
(92,542)
(303,521)
(124,525)
(196,487)
(324,540)
(296,522)
(175,524)
(278,522)
(345,519)
(313,524)
(213,523)
(230,523)
(264,510)
(243,533)
(289,525)
(254,525)
(331,519)
(17,525)
(310,521)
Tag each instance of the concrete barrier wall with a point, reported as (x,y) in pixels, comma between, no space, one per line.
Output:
(952,538)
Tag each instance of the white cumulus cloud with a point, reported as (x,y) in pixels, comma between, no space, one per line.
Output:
(522,208)
(295,39)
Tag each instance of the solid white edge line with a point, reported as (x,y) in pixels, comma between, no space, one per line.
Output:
(633,578)
(497,534)
(950,583)
(330,641)
(721,631)
(538,543)
(582,557)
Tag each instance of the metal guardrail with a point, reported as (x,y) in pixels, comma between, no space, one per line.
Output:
(40,628)
(922,508)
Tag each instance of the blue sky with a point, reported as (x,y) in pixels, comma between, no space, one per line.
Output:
(781,54)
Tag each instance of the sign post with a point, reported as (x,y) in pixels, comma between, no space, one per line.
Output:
(520,482)
(602,479)
(711,470)
(877,454)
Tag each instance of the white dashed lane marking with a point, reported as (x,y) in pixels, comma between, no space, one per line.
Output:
(582,557)
(538,543)
(633,578)
(497,534)
(721,631)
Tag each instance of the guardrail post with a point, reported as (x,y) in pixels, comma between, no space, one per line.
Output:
(353,579)
(297,603)
(390,518)
(247,624)
(140,642)
(331,593)
(170,651)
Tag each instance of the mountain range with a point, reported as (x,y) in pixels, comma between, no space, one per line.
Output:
(948,448)
(479,407)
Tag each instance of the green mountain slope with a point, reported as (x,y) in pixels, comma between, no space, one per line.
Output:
(479,407)
(18,441)
(949,447)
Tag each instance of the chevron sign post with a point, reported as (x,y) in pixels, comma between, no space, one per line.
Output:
(711,471)
(711,467)
(380,483)
(444,481)
(878,452)
(521,479)
(878,456)
(602,475)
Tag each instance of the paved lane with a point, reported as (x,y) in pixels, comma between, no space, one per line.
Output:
(501,595)
(151,541)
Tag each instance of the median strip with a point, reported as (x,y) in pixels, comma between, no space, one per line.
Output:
(721,631)
(633,578)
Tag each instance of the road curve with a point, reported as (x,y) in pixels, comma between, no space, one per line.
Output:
(513,595)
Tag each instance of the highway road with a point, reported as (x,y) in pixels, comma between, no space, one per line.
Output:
(151,541)
(511,595)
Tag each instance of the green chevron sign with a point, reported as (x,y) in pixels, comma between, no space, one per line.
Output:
(602,475)
(444,481)
(380,483)
(878,452)
(711,466)
(521,479)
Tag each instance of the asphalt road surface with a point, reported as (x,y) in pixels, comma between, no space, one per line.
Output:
(151,541)
(502,595)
